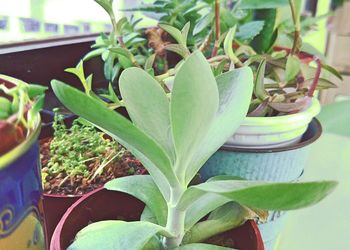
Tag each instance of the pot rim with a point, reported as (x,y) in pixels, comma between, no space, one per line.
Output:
(303,143)
(311,111)
(16,152)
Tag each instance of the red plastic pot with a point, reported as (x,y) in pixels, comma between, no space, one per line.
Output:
(103,204)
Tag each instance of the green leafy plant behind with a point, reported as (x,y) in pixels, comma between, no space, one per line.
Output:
(173,137)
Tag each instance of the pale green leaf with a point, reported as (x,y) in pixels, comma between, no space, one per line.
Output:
(184,32)
(152,156)
(150,61)
(235,91)
(332,70)
(94,53)
(143,188)
(194,103)
(270,196)
(292,67)
(121,51)
(148,106)
(116,235)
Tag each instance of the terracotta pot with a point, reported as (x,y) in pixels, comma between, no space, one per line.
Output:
(103,204)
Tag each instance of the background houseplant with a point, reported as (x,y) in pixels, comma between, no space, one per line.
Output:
(201,118)
(20,191)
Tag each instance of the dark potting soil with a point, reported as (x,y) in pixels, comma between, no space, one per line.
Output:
(79,185)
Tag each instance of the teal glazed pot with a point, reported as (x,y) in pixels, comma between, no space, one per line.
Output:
(283,164)
(21,223)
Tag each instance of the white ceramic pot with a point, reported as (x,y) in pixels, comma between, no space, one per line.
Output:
(272,132)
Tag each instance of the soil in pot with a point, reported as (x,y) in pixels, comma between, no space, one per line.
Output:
(125,207)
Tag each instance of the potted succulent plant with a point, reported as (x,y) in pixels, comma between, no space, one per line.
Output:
(20,205)
(75,161)
(173,137)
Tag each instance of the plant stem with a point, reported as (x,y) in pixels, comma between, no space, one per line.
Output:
(175,220)
(217,28)
(313,86)
(296,22)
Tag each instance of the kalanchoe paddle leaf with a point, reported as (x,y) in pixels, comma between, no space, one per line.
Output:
(152,156)
(148,106)
(235,89)
(143,188)
(117,235)
(268,196)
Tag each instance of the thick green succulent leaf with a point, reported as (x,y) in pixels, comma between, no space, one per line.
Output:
(235,91)
(228,44)
(94,53)
(147,215)
(270,196)
(143,188)
(150,153)
(265,4)
(113,234)
(201,246)
(292,67)
(222,219)
(147,106)
(194,103)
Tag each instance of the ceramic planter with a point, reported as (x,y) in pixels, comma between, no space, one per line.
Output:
(283,164)
(274,132)
(21,223)
(110,205)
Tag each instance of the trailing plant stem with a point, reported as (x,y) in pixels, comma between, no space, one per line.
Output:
(296,22)
(217,28)
(313,86)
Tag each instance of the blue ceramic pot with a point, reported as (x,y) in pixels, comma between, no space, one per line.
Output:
(21,224)
(284,164)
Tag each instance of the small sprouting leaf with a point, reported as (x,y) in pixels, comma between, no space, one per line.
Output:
(150,61)
(5,105)
(112,96)
(228,44)
(184,32)
(36,90)
(203,23)
(178,49)
(279,54)
(249,30)
(121,51)
(121,23)
(332,70)
(94,53)
(79,72)
(259,87)
(292,67)
(174,32)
